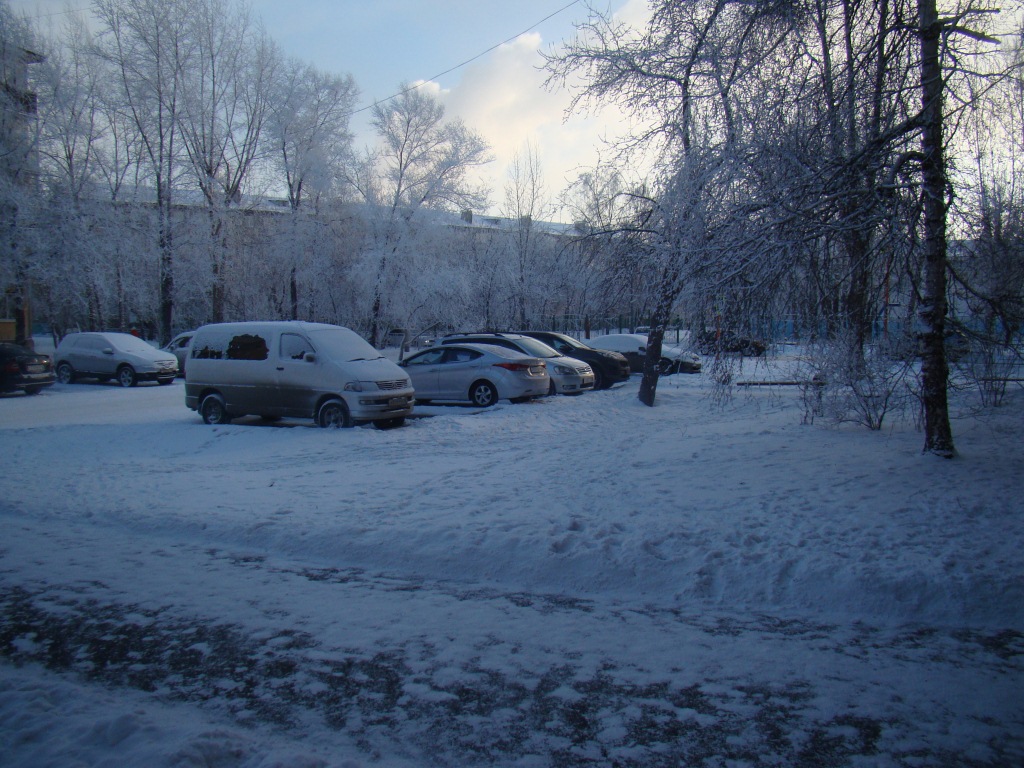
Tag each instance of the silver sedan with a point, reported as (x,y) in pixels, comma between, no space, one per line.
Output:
(477,373)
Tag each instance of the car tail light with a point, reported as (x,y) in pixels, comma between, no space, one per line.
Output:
(520,367)
(11,366)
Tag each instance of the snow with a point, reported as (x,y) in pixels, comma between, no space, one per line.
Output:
(571,581)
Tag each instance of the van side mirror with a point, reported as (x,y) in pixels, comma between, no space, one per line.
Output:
(309,357)
(108,351)
(642,350)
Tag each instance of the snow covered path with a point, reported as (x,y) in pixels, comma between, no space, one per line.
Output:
(569,582)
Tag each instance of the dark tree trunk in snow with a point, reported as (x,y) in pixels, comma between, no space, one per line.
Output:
(649,382)
(935,368)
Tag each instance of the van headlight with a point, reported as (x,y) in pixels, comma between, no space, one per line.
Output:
(354,386)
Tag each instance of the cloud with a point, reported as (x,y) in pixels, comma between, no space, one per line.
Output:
(503,97)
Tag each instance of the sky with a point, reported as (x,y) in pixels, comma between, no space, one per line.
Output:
(499,93)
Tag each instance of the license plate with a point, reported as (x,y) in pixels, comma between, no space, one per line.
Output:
(36,368)
(397,402)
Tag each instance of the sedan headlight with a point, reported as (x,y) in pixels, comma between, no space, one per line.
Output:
(564,370)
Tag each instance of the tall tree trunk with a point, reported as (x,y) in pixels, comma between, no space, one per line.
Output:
(935,368)
(166,245)
(668,293)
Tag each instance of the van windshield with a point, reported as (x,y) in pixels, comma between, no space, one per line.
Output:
(343,345)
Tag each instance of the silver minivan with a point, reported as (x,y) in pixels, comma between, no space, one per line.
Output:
(293,369)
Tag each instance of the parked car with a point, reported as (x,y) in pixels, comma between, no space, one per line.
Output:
(479,373)
(294,369)
(634,347)
(568,376)
(609,367)
(715,342)
(105,356)
(179,346)
(21,368)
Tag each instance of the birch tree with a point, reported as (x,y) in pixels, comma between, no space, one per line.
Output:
(423,162)
(225,96)
(310,142)
(148,45)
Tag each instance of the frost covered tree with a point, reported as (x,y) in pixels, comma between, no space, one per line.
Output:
(148,45)
(422,163)
(526,204)
(688,75)
(224,97)
(809,138)
(310,145)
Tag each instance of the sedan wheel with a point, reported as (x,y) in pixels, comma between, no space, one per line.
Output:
(600,382)
(126,376)
(65,373)
(483,394)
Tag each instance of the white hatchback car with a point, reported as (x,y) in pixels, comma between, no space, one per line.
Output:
(479,373)
(105,356)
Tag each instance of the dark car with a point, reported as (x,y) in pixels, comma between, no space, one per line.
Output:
(717,342)
(634,347)
(21,368)
(609,367)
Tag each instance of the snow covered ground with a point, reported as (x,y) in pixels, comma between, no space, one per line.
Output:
(568,582)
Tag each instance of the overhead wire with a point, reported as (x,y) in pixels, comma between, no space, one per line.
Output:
(470,60)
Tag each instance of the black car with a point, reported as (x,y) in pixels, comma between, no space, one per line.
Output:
(712,342)
(609,367)
(21,368)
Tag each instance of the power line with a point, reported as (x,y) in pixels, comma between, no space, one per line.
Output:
(467,61)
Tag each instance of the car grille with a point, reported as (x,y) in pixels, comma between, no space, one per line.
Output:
(166,366)
(583,370)
(394,384)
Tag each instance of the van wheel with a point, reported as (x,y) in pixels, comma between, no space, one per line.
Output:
(213,411)
(334,413)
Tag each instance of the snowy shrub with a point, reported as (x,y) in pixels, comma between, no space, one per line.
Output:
(847,387)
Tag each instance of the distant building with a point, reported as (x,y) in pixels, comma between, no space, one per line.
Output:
(19,167)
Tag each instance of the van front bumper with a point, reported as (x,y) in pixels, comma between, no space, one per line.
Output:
(368,406)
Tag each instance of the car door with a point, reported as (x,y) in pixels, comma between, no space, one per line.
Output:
(296,377)
(423,370)
(90,356)
(458,370)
